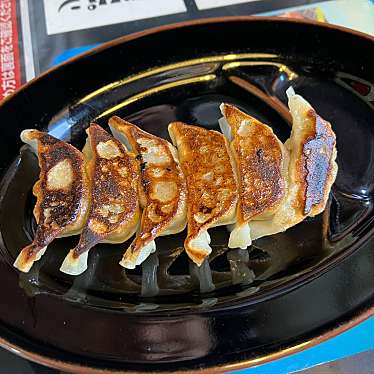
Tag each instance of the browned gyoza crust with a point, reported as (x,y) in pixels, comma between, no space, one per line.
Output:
(211,181)
(158,210)
(61,203)
(260,160)
(316,170)
(113,176)
(311,173)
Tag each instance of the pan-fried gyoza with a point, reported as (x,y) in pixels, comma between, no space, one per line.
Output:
(114,210)
(162,192)
(61,194)
(261,163)
(311,172)
(211,184)
(244,178)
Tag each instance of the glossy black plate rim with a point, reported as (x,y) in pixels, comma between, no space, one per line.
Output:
(177,25)
(343,326)
(360,315)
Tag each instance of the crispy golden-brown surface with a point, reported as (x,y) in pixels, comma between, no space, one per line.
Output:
(211,181)
(311,173)
(163,187)
(312,148)
(61,193)
(316,164)
(113,174)
(261,162)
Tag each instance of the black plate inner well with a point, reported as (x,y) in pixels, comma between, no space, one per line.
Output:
(191,91)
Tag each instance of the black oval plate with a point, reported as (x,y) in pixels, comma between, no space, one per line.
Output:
(104,319)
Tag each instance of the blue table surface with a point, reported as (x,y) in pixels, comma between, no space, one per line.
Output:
(351,342)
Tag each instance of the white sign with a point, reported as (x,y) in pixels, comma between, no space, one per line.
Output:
(70,15)
(207,4)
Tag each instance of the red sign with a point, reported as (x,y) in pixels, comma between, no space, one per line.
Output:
(10,74)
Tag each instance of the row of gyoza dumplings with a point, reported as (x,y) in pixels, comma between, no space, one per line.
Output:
(136,182)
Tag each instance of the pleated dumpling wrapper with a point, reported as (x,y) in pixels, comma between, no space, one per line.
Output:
(61,194)
(162,190)
(311,172)
(261,162)
(114,212)
(211,183)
